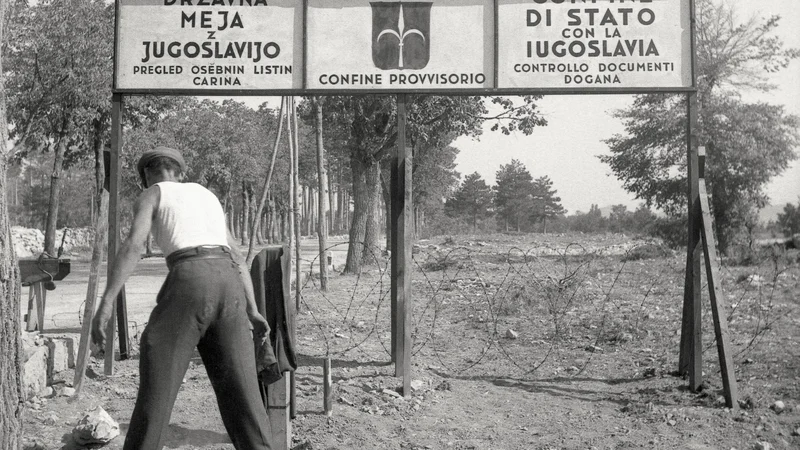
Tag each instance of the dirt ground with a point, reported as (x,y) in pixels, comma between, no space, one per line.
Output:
(520,342)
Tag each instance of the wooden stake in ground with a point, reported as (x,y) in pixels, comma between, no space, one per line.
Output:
(327,387)
(718,309)
(98,251)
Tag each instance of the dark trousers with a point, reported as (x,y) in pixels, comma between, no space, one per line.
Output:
(202,305)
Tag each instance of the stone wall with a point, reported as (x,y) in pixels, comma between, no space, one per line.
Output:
(29,242)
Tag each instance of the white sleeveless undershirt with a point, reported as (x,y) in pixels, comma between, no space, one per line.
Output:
(188,215)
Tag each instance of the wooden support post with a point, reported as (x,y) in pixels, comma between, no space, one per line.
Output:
(98,249)
(402,236)
(119,310)
(718,309)
(33,316)
(327,387)
(41,296)
(691,332)
(278,413)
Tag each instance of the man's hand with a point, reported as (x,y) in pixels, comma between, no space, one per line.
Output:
(260,326)
(99,328)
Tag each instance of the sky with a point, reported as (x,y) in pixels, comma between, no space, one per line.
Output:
(567,149)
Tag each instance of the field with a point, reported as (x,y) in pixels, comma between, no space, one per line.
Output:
(520,342)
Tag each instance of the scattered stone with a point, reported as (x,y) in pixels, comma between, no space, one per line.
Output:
(443,386)
(511,334)
(34,369)
(594,349)
(47,392)
(748,361)
(96,427)
(50,419)
(33,445)
(649,372)
(747,403)
(392,393)
(417,385)
(762,446)
(778,407)
(346,401)
(65,391)
(625,337)
(796,432)
(340,335)
(573,369)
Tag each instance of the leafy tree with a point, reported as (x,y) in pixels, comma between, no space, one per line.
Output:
(368,126)
(546,205)
(472,200)
(789,220)
(513,195)
(59,83)
(591,222)
(747,143)
(435,178)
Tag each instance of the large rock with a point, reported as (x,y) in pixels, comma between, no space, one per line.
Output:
(96,428)
(34,367)
(61,356)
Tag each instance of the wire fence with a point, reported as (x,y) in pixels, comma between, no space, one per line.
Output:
(548,309)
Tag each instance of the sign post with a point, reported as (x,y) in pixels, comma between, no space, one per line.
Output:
(437,47)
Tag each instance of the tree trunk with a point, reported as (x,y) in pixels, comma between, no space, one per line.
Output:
(322,182)
(245,214)
(55,194)
(363,211)
(11,396)
(387,204)
(331,202)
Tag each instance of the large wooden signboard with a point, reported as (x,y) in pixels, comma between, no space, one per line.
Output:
(444,44)
(590,44)
(208,45)
(349,46)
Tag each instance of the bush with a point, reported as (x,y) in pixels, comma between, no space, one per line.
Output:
(671,230)
(647,251)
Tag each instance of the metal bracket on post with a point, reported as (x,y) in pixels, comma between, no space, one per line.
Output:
(401,242)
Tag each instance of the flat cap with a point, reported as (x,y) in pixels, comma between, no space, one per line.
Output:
(158,152)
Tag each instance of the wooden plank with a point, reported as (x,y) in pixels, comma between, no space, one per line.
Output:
(401,242)
(33,316)
(278,414)
(718,307)
(690,360)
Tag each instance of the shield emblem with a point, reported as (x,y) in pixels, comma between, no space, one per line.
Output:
(401,35)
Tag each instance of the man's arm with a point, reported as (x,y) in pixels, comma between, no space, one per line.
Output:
(127,257)
(260,326)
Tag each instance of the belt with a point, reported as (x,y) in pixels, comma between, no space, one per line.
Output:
(195,253)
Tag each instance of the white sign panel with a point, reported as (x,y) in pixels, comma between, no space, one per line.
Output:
(594,44)
(209,45)
(397,46)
